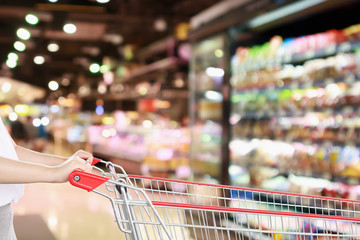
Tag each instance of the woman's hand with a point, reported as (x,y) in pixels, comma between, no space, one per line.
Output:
(62,171)
(84,155)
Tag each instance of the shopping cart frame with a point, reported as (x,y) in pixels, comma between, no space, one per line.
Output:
(121,183)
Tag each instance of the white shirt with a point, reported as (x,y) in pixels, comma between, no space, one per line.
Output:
(8,192)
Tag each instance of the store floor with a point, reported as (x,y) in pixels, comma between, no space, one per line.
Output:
(63,212)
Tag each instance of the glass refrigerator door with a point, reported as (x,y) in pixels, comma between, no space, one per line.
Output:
(206,82)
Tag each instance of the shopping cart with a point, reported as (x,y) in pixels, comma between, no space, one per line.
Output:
(158,208)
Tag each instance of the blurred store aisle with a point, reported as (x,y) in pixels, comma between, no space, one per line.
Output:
(63,212)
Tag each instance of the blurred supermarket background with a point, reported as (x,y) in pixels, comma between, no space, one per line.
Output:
(260,94)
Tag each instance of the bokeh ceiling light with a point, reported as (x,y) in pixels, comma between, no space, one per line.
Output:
(53,47)
(11,63)
(13,116)
(6,87)
(39,60)
(13,56)
(20,46)
(160,25)
(108,78)
(69,28)
(102,88)
(65,82)
(94,68)
(219,53)
(31,19)
(53,85)
(45,121)
(37,122)
(23,33)
(113,38)
(104,68)
(53,1)
(103,1)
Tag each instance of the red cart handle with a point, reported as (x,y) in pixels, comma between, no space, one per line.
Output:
(87,181)
(95,161)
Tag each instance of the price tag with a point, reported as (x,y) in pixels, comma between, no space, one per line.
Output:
(350,79)
(329,111)
(353,181)
(287,58)
(310,54)
(298,113)
(308,173)
(345,47)
(326,175)
(308,84)
(330,50)
(348,110)
(350,143)
(309,109)
(329,81)
(294,85)
(288,139)
(327,144)
(271,87)
(261,113)
(278,61)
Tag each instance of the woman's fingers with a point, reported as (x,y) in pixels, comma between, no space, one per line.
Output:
(81,164)
(85,156)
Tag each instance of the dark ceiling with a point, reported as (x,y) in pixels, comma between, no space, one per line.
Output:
(98,29)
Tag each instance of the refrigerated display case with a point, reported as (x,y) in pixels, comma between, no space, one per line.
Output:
(295,110)
(207,71)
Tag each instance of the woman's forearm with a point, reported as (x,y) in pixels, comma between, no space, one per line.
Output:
(37,157)
(16,171)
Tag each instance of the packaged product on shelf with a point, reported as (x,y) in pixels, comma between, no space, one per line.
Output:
(302,97)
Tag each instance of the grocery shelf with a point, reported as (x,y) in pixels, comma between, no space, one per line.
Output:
(349,79)
(297,113)
(262,114)
(289,58)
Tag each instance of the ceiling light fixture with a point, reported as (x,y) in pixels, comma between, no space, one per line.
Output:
(214,72)
(69,28)
(282,12)
(6,87)
(31,19)
(39,60)
(113,38)
(94,68)
(102,88)
(20,46)
(103,1)
(65,81)
(53,1)
(53,47)
(13,116)
(23,34)
(53,85)
(11,63)
(36,122)
(160,25)
(13,56)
